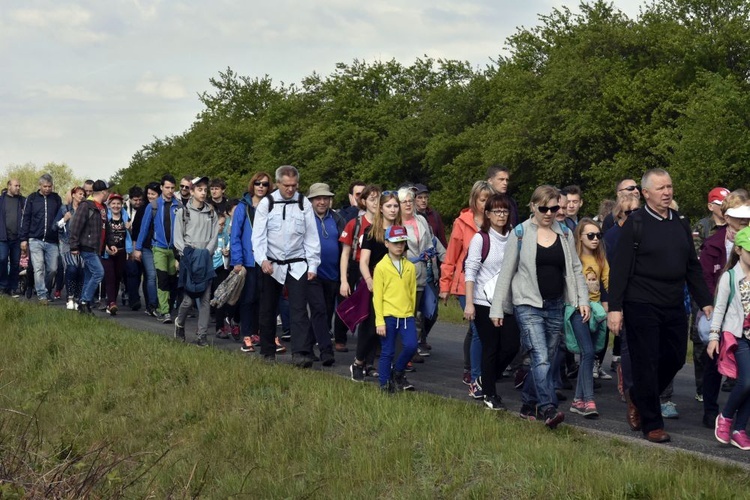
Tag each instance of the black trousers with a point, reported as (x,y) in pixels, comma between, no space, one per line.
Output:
(302,341)
(321,302)
(499,346)
(249,303)
(657,342)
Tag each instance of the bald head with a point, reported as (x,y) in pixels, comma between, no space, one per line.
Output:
(14,187)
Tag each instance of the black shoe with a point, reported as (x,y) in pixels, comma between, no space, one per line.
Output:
(528,412)
(136,306)
(709,419)
(357,372)
(388,388)
(179,331)
(200,341)
(302,360)
(327,358)
(85,308)
(401,382)
(561,396)
(494,402)
(553,417)
(286,336)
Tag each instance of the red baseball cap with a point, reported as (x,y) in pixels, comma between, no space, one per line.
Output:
(717,195)
(395,234)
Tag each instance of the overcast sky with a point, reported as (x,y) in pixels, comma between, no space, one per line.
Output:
(89,82)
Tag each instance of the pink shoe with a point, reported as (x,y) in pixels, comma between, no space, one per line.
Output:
(740,440)
(723,429)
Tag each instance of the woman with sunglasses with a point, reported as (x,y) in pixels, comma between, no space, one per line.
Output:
(590,250)
(542,268)
(483,262)
(453,278)
(373,251)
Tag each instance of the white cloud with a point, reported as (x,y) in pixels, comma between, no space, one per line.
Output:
(170,87)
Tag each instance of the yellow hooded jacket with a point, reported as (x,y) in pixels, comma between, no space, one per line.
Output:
(393,293)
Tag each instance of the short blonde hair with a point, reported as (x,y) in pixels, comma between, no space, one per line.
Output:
(477,190)
(543,195)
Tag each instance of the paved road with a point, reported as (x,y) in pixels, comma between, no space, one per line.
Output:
(441,374)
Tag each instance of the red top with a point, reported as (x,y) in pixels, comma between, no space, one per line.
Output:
(347,238)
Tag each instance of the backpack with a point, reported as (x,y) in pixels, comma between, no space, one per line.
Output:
(519,233)
(300,202)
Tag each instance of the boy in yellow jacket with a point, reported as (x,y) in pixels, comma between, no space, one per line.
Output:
(394,297)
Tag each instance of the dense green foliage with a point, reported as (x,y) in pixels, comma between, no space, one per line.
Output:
(583,98)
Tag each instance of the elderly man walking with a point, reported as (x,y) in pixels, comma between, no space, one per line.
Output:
(285,242)
(654,260)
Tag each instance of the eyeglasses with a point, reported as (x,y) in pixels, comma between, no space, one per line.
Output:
(592,236)
(500,212)
(184,186)
(408,201)
(265,184)
(629,188)
(544,210)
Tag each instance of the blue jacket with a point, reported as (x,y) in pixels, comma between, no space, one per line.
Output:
(160,238)
(38,221)
(128,238)
(196,271)
(241,245)
(3,229)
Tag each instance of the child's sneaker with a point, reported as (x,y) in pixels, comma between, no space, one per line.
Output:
(740,440)
(247,345)
(280,348)
(589,410)
(475,389)
(578,406)
(723,429)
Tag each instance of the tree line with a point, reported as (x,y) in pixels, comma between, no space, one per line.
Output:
(582,98)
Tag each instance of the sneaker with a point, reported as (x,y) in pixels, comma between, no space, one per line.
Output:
(15,293)
(234,331)
(603,375)
(255,339)
(340,347)
(578,406)
(494,402)
(669,410)
(388,388)
(475,389)
(553,417)
(280,349)
(222,333)
(417,358)
(286,335)
(424,345)
(401,382)
(112,309)
(596,369)
(740,440)
(527,412)
(71,305)
(410,367)
(201,342)
(357,372)
(56,295)
(85,308)
(247,345)
(371,371)
(613,364)
(327,358)
(723,429)
(520,378)
(135,306)
(179,331)
(466,377)
(699,397)
(422,352)
(302,361)
(590,410)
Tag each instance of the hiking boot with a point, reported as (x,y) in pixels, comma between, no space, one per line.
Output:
(740,440)
(723,429)
(179,331)
(494,402)
(280,349)
(247,345)
(401,383)
(553,417)
(357,372)
(112,309)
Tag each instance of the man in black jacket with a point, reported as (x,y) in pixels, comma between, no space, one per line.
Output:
(39,235)
(87,231)
(11,212)
(654,260)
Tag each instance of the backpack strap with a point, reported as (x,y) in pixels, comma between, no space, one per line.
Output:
(519,234)
(731,286)
(637,235)
(485,245)
(355,236)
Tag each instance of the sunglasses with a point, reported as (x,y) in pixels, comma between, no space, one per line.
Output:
(592,236)
(265,184)
(389,193)
(500,212)
(629,188)
(544,210)
(183,186)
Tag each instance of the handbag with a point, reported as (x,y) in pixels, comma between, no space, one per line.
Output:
(354,309)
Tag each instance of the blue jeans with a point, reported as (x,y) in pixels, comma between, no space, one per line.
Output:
(10,255)
(147,257)
(475,352)
(541,331)
(739,398)
(393,327)
(585,384)
(43,257)
(93,274)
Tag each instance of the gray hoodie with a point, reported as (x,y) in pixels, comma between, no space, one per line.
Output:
(517,283)
(198,230)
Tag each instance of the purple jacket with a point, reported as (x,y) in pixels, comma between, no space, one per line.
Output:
(713,258)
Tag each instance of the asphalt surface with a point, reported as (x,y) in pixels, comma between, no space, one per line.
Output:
(442,371)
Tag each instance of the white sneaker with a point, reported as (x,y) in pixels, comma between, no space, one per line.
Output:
(603,375)
(71,305)
(596,369)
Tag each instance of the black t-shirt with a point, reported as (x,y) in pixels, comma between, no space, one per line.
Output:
(550,270)
(377,249)
(116,233)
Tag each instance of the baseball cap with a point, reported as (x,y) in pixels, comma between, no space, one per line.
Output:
(742,238)
(717,195)
(114,196)
(198,180)
(394,234)
(99,185)
(421,188)
(319,189)
(741,212)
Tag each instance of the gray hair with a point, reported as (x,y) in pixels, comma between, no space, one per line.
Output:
(286,171)
(405,193)
(646,179)
(45,179)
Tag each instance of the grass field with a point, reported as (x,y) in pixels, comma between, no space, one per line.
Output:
(90,407)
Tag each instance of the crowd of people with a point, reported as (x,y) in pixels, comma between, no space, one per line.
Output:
(541,287)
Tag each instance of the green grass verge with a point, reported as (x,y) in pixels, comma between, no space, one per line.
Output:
(136,415)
